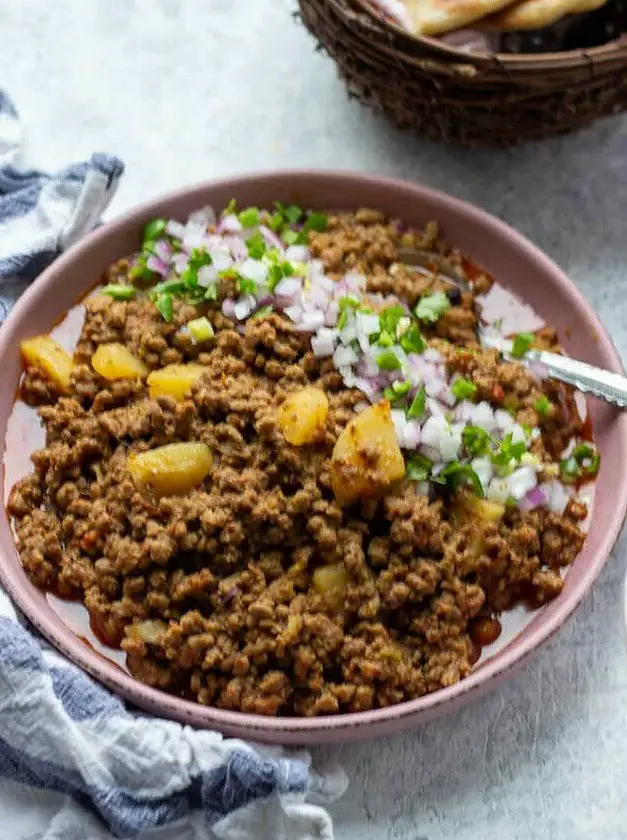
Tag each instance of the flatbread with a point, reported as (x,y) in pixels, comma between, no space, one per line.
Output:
(436,17)
(536,14)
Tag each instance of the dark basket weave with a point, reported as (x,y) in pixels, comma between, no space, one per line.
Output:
(474,99)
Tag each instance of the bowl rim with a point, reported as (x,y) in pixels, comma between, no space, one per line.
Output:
(286,729)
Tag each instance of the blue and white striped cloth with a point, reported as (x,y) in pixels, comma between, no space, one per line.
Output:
(75,763)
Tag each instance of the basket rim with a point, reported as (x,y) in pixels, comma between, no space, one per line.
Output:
(537,61)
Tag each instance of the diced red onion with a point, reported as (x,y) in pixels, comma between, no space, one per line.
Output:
(158,266)
(331,314)
(521,481)
(207,274)
(399,421)
(310,322)
(229,224)
(354,281)
(411,434)
(536,497)
(498,490)
(175,229)
(483,416)
(237,247)
(432,355)
(202,218)
(557,497)
(163,250)
(270,237)
(228,308)
(244,306)
(348,334)
(255,270)
(464,410)
(323,343)
(360,406)
(288,291)
(367,387)
(180,262)
(503,419)
(484,470)
(344,356)
(297,253)
(434,408)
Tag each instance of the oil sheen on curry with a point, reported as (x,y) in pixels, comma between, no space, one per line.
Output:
(282,473)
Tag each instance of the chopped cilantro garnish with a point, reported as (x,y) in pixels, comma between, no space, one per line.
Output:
(291,213)
(119,291)
(588,458)
(390,317)
(245,286)
(287,268)
(262,312)
(316,221)
(164,305)
(398,391)
(173,286)
(154,230)
(275,222)
(212,292)
(392,396)
(346,304)
(570,470)
(249,217)
(139,271)
(290,237)
(401,387)
(522,343)
(476,440)
(197,259)
(230,208)
(508,451)
(543,406)
(412,341)
(200,329)
(463,389)
(385,340)
(256,245)
(417,408)
(418,468)
(388,360)
(457,475)
(431,307)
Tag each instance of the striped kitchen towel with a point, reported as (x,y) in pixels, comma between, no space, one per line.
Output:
(40,214)
(75,762)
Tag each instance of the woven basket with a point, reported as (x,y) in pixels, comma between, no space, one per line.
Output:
(473,99)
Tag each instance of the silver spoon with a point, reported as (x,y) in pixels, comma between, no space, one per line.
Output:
(611,387)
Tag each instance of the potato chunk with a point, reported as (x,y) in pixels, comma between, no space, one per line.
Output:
(366,458)
(472,509)
(46,354)
(303,416)
(171,469)
(114,361)
(331,581)
(174,380)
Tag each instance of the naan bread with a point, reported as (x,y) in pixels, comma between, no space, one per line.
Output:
(535,14)
(435,17)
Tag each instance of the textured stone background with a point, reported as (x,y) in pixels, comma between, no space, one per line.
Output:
(188,90)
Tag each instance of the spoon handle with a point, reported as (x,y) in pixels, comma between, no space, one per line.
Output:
(611,387)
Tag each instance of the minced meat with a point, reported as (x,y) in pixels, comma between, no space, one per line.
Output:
(210,594)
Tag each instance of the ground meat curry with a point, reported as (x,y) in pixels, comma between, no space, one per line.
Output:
(201,492)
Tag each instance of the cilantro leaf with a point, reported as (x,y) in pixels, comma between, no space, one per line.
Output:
(431,307)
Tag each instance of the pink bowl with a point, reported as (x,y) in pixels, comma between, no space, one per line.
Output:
(508,256)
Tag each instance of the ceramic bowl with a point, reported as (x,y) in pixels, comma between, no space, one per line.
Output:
(514,262)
